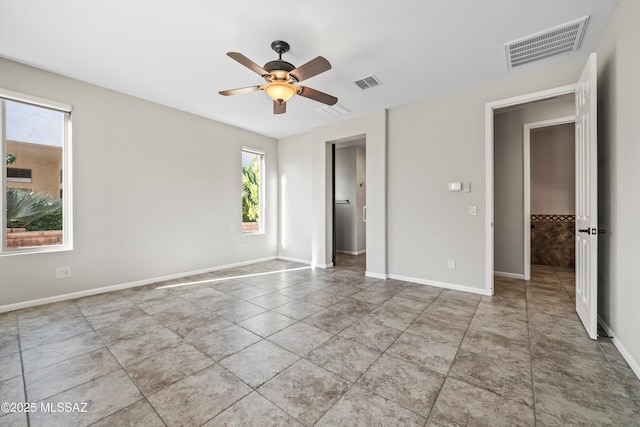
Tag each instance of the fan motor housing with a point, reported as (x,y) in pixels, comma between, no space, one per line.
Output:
(279,64)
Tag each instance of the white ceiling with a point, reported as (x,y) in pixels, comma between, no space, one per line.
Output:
(173,51)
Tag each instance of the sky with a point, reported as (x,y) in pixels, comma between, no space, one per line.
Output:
(26,123)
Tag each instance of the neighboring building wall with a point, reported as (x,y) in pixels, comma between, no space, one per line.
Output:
(45,162)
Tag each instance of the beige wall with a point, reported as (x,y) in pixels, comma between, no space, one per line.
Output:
(345,172)
(294,168)
(305,176)
(553,189)
(361,198)
(152,195)
(350,171)
(430,145)
(45,163)
(619,175)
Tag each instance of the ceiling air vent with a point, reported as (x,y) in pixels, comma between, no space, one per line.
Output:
(368,82)
(555,41)
(332,110)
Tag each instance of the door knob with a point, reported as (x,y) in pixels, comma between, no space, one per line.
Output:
(584,230)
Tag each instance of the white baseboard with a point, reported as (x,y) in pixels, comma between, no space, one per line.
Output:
(306,261)
(330,265)
(300,260)
(352,252)
(102,290)
(452,286)
(376,275)
(509,275)
(634,365)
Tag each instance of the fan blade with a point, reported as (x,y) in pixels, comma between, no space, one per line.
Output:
(316,95)
(240,90)
(310,69)
(248,63)
(279,107)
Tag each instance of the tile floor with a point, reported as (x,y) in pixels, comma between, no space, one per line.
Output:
(314,347)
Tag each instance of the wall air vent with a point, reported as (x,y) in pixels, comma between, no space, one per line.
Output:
(555,41)
(368,82)
(332,110)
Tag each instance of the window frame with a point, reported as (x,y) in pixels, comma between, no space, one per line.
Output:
(261,218)
(67,200)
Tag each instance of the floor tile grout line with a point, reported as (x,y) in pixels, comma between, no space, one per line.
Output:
(529,331)
(353,383)
(454,358)
(533,380)
(105,346)
(376,360)
(24,376)
(144,396)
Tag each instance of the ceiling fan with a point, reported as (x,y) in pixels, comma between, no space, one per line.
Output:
(280,77)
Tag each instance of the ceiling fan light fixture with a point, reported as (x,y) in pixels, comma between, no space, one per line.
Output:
(280,91)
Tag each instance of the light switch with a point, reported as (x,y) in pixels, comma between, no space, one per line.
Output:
(472,210)
(455,186)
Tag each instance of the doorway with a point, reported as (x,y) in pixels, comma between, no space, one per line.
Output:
(585,95)
(349,203)
(549,194)
(511,166)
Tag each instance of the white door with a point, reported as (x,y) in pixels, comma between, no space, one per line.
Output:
(587,199)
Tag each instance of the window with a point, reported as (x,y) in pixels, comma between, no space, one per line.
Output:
(36,147)
(18,174)
(252,191)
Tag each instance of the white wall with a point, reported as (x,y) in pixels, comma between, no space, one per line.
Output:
(361,198)
(414,223)
(372,127)
(345,172)
(509,179)
(294,168)
(350,171)
(313,150)
(431,144)
(156,192)
(619,175)
(553,170)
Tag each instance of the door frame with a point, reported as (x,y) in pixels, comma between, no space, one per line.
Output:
(526,141)
(489,165)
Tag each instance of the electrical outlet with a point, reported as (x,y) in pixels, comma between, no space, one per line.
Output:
(63,272)
(452,264)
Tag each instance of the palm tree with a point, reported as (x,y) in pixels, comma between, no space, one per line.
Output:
(25,207)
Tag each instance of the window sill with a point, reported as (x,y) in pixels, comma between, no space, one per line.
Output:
(36,250)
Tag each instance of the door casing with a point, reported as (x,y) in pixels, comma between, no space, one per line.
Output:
(489,165)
